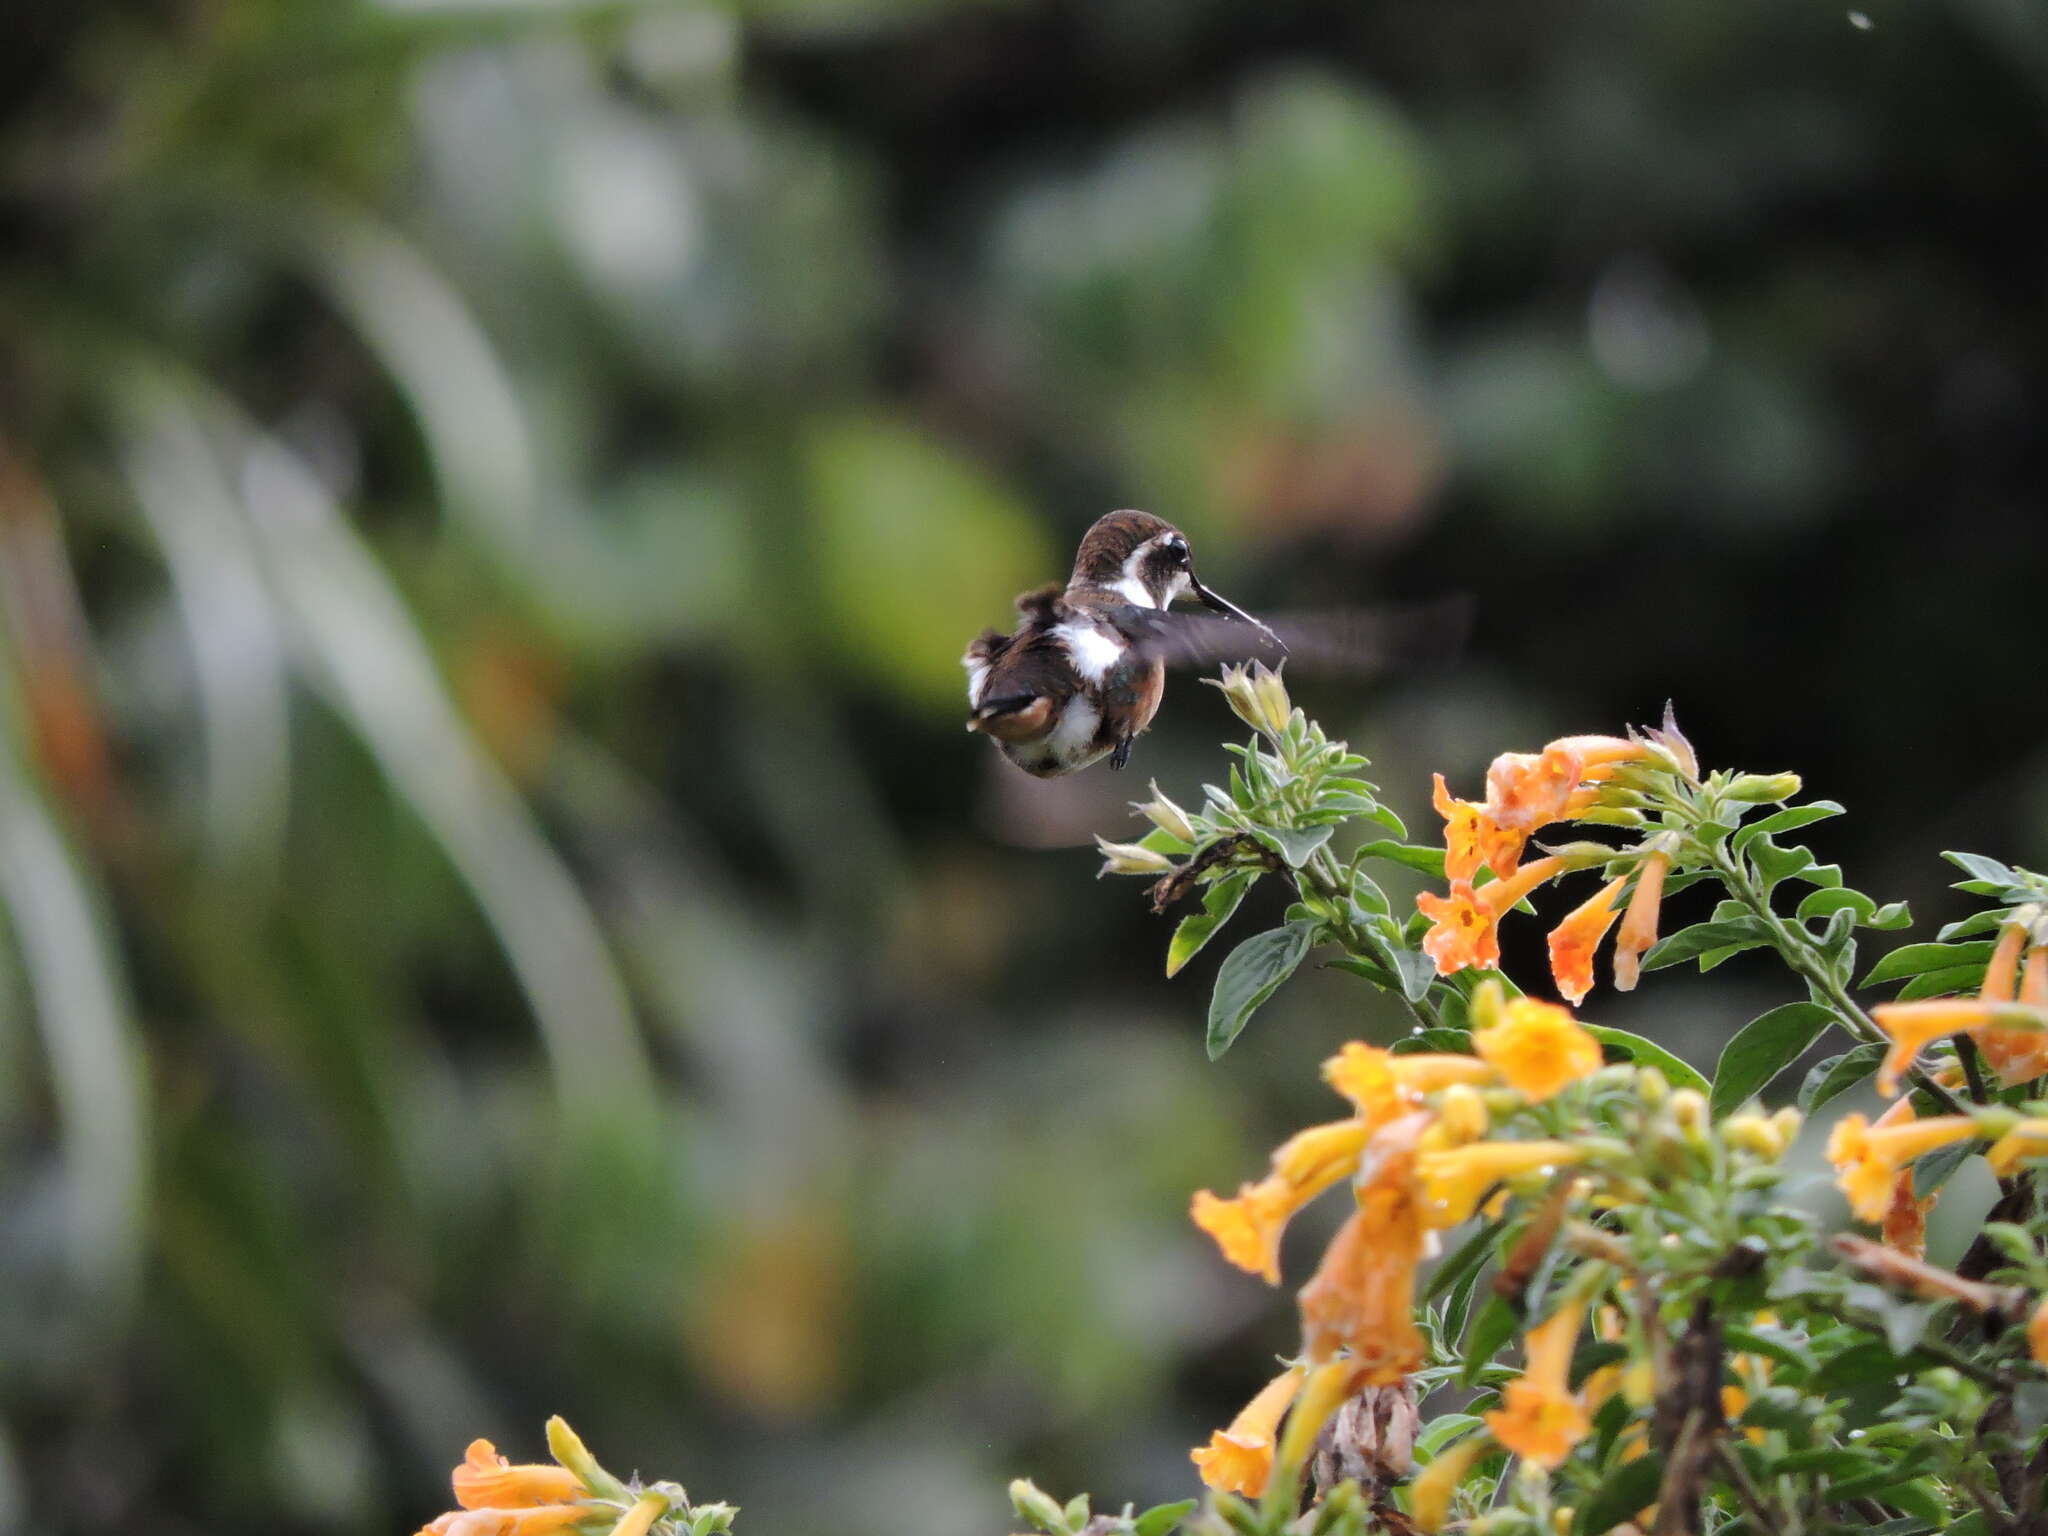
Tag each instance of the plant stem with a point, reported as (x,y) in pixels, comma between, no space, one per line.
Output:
(1798,950)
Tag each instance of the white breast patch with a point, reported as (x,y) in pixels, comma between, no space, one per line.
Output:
(1093,651)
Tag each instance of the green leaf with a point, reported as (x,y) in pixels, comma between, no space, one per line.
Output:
(1787,820)
(1943,983)
(1417,971)
(1159,840)
(1371,970)
(1294,844)
(1762,1049)
(1838,1074)
(1774,863)
(1690,943)
(1829,900)
(1893,914)
(1198,928)
(1623,1490)
(1978,867)
(1440,1432)
(1429,860)
(1913,959)
(1780,1345)
(1252,973)
(1161,1518)
(1939,1166)
(1647,1053)
(1988,921)
(1491,1329)
(1829,1462)
(1468,1254)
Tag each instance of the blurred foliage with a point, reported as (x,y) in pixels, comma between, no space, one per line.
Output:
(501,916)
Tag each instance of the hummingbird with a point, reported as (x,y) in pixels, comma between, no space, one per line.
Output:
(1083,675)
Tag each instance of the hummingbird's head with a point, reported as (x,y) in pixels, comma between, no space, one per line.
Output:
(1147,560)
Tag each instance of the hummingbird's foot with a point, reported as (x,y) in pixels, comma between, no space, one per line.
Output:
(1122,754)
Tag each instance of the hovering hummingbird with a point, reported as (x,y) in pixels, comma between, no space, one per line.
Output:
(1084,673)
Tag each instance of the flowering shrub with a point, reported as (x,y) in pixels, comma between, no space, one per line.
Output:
(1626,1327)
(576,1494)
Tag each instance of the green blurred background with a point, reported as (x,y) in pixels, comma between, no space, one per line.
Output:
(502,916)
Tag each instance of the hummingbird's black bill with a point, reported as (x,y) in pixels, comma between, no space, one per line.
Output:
(1224,605)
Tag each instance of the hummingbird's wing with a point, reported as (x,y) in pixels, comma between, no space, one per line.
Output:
(1345,640)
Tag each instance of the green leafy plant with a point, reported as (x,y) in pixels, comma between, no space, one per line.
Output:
(1697,1353)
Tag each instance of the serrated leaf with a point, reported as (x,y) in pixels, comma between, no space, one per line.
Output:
(1648,1053)
(1219,901)
(1763,1048)
(1690,943)
(1788,820)
(1429,860)
(1252,973)
(1838,1074)
(1297,845)
(1913,959)
(1162,1518)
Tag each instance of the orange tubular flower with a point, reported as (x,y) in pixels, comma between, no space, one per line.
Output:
(2037,1334)
(1573,941)
(1240,1459)
(2016,1055)
(1905,1223)
(1363,1295)
(1868,1158)
(1463,922)
(1384,1086)
(1526,790)
(1456,1179)
(486,1480)
(1471,838)
(540,1520)
(1541,1419)
(1639,926)
(1538,1048)
(1247,1228)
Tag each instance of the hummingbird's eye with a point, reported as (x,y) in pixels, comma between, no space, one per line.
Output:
(1177,550)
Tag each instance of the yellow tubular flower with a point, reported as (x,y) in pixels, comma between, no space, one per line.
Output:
(1384,1086)
(1639,925)
(1454,1181)
(1538,1048)
(1461,1119)
(1431,1492)
(1240,1459)
(1363,1295)
(1913,1025)
(1573,941)
(1322,1394)
(1540,1419)
(1247,1228)
(2037,1333)
(2002,970)
(2027,1139)
(1868,1158)
(1462,923)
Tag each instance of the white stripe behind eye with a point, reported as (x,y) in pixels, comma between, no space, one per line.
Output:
(1131,585)
(977,678)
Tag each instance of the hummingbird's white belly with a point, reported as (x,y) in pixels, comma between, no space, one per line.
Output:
(1068,746)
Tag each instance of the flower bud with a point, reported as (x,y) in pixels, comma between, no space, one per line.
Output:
(1652,1088)
(1274,704)
(1461,1114)
(1037,1506)
(1753,1132)
(1763,788)
(1167,817)
(1788,1121)
(1689,1109)
(1130,859)
(1240,694)
(1486,1006)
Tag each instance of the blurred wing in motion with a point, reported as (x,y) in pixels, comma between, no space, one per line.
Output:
(1343,640)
